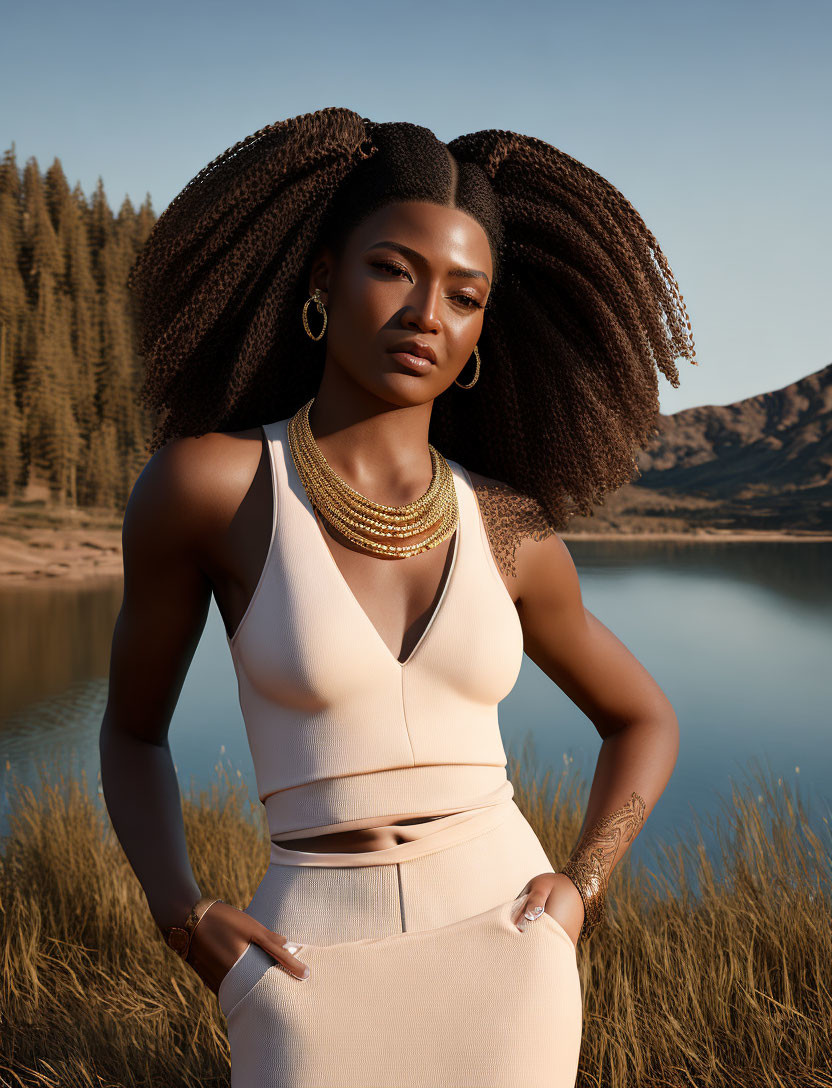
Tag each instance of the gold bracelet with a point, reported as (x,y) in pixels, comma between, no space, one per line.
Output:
(592,860)
(179,937)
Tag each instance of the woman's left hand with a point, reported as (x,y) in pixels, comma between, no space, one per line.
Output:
(557,895)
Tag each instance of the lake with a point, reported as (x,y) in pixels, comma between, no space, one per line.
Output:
(737,634)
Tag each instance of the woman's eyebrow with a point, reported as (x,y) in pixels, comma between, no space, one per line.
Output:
(418,258)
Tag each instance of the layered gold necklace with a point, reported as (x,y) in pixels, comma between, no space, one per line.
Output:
(359,518)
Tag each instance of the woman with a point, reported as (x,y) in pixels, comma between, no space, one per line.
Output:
(314,304)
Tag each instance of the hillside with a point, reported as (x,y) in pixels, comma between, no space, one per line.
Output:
(764,463)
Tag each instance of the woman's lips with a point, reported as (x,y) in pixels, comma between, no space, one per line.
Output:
(414,363)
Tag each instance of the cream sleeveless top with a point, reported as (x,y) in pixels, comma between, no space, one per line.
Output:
(341,732)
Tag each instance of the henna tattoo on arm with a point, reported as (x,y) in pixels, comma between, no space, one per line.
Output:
(591,862)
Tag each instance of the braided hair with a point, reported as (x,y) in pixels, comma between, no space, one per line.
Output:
(583,313)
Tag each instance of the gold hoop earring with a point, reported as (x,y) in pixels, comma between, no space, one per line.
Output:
(476,372)
(316,298)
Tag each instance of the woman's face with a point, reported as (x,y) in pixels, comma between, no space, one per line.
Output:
(410,271)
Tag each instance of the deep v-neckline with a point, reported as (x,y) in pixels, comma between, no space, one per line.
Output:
(342,581)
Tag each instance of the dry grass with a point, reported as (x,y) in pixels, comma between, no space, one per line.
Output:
(695,979)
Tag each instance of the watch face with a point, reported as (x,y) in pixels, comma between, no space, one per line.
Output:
(178,939)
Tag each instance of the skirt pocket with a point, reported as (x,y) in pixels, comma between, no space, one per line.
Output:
(490,1005)
(558,928)
(243,975)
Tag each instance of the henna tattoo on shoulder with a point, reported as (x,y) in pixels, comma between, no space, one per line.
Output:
(509,516)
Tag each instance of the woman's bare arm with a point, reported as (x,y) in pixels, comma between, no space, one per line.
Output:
(595,669)
(183,503)
(629,710)
(163,613)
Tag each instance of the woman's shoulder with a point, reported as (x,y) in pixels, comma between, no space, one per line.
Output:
(511,518)
(194,485)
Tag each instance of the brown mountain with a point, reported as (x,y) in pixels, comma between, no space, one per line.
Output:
(764,463)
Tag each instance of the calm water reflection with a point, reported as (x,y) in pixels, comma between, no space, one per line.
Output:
(737,634)
(51,637)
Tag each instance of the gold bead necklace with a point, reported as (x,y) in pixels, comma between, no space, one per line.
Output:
(361,519)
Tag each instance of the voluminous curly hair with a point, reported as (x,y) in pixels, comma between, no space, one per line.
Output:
(583,312)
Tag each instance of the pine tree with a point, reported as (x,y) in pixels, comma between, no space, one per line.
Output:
(69,364)
(12,318)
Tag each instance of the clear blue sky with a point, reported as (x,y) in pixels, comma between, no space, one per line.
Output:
(711,117)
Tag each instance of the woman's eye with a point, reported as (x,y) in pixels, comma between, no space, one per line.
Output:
(389,265)
(470,303)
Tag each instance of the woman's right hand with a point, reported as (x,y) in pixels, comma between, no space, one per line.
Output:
(222,936)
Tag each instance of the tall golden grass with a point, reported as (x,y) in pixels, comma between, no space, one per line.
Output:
(701,975)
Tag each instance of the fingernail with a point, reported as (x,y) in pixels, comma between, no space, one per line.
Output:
(521,925)
(305,973)
(535,912)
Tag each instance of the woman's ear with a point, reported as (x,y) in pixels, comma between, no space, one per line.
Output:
(321,270)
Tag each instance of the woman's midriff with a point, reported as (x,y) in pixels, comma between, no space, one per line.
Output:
(411,837)
(380,837)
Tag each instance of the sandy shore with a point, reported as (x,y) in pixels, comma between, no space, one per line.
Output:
(71,556)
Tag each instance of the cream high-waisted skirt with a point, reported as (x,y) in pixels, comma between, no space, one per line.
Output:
(418,977)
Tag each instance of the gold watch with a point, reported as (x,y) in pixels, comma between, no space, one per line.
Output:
(179,937)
